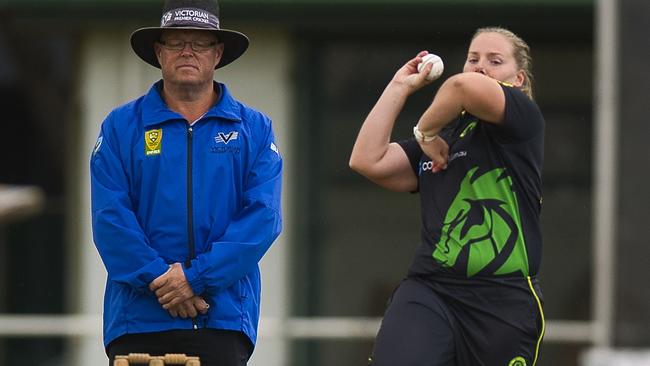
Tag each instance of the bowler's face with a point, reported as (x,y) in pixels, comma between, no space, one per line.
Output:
(492,54)
(194,62)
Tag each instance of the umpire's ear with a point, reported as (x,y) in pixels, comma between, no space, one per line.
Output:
(157,50)
(219,54)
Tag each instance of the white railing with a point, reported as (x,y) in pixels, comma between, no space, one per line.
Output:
(616,357)
(290,328)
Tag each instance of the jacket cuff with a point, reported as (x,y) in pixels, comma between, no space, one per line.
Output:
(152,271)
(193,278)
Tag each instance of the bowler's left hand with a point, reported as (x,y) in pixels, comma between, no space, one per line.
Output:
(171,287)
(438,151)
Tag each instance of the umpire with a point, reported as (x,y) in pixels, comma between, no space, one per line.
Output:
(186,185)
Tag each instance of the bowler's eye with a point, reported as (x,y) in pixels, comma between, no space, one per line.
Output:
(496,61)
(472,60)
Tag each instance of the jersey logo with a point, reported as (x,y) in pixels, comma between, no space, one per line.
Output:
(468,129)
(153,142)
(517,361)
(225,138)
(482,234)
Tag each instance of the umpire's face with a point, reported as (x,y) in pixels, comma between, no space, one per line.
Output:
(188,57)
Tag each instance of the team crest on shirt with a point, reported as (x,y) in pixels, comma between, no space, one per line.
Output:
(153,142)
(482,233)
(226,142)
(225,138)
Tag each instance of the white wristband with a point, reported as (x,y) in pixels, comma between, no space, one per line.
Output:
(422,137)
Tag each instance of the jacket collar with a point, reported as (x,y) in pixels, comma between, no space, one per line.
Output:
(155,111)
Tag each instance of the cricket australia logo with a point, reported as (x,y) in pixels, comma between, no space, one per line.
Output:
(153,142)
(225,138)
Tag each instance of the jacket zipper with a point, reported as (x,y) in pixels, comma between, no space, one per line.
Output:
(190,212)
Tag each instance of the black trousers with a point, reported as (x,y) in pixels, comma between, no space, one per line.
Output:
(466,323)
(215,347)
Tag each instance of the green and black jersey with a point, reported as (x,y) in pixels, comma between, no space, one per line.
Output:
(480,216)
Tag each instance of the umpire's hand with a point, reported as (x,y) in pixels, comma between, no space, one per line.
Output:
(190,308)
(171,287)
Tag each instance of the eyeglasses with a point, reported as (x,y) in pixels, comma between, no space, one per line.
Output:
(178,44)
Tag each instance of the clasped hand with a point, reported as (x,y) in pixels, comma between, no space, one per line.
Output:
(175,294)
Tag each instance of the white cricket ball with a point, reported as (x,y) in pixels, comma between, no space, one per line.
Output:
(437,68)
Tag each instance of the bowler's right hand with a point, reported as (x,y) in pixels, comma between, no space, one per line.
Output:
(409,76)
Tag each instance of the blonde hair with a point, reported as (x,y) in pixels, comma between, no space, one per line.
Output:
(521,52)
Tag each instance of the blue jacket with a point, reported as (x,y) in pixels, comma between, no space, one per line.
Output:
(163,192)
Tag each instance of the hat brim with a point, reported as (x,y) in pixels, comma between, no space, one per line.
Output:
(143,40)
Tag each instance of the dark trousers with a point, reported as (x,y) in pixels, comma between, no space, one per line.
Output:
(461,323)
(215,347)
(415,330)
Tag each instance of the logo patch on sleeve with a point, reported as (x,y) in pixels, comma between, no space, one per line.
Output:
(98,144)
(274,148)
(467,129)
(153,142)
